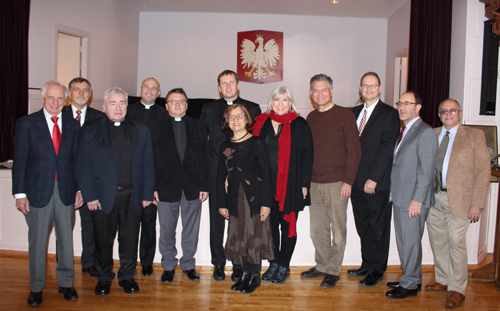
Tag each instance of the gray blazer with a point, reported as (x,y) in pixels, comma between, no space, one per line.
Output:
(413,167)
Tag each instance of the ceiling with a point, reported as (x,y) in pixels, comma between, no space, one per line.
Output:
(345,8)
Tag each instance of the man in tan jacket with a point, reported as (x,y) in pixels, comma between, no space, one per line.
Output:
(461,183)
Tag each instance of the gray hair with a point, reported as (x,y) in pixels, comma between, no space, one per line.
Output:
(54,82)
(279,92)
(321,77)
(114,90)
(453,100)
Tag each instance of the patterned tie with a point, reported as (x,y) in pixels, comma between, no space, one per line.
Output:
(401,135)
(438,173)
(56,136)
(362,124)
(78,115)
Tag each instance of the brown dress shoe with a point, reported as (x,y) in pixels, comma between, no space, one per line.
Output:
(455,299)
(436,287)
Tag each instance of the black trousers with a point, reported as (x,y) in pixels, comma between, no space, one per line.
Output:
(372,215)
(217,222)
(283,246)
(147,247)
(88,244)
(125,220)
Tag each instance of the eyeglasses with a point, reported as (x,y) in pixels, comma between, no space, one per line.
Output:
(406,104)
(369,86)
(180,101)
(240,116)
(451,111)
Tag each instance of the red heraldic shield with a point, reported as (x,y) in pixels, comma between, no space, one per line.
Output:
(260,56)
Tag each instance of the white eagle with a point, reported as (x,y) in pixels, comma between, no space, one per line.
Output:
(263,56)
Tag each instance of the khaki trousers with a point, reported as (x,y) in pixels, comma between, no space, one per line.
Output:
(328,216)
(448,241)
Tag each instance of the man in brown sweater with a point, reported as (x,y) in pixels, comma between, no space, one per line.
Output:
(337,153)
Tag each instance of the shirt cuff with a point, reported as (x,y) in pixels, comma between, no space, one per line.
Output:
(19,195)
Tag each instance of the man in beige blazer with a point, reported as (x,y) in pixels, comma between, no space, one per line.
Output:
(460,189)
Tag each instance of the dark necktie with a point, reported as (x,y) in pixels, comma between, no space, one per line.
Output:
(78,115)
(56,136)
(362,124)
(401,135)
(438,173)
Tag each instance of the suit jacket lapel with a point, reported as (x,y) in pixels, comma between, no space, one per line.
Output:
(407,136)
(134,139)
(373,116)
(457,142)
(107,138)
(66,129)
(44,130)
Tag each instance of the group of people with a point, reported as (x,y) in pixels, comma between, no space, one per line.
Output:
(123,167)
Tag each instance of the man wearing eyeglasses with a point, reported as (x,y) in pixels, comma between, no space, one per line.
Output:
(378,126)
(411,192)
(211,115)
(182,180)
(150,114)
(461,182)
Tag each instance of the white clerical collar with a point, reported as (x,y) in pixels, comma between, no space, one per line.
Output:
(229,103)
(117,123)
(178,119)
(147,106)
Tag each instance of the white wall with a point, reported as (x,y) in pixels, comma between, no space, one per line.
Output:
(189,50)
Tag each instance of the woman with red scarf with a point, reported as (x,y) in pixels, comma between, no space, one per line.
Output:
(289,145)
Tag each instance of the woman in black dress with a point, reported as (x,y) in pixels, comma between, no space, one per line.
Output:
(244,197)
(290,148)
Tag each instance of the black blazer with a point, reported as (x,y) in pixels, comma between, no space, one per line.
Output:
(91,114)
(212,114)
(36,163)
(171,176)
(97,174)
(135,112)
(377,146)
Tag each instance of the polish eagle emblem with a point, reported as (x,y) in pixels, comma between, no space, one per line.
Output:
(260,59)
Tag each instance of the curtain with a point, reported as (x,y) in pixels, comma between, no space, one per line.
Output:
(429,55)
(14,21)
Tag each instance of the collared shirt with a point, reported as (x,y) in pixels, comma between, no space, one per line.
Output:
(147,106)
(453,134)
(82,115)
(408,127)
(369,111)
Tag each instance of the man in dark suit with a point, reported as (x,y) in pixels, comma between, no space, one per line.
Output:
(80,91)
(378,126)
(44,185)
(182,178)
(149,114)
(412,192)
(212,114)
(116,177)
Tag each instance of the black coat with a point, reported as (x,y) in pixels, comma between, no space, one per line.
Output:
(377,146)
(172,176)
(90,115)
(301,162)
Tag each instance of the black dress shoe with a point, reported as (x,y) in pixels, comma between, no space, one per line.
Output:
(357,272)
(192,274)
(329,281)
(130,286)
(312,273)
(102,288)
(270,274)
(167,276)
(35,299)
(396,284)
(401,293)
(251,286)
(147,270)
(91,271)
(282,275)
(237,272)
(69,293)
(243,281)
(219,274)
(371,279)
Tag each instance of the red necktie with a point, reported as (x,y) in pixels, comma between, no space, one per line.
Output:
(362,124)
(78,115)
(401,134)
(56,136)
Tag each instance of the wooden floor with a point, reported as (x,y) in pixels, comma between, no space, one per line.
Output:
(296,294)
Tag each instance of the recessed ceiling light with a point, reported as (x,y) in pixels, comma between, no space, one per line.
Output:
(335,1)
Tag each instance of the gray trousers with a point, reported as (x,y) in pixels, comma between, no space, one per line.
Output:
(40,222)
(409,240)
(168,214)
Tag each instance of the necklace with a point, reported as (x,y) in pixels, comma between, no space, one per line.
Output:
(239,138)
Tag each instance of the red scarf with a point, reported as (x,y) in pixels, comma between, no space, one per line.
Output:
(285,143)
